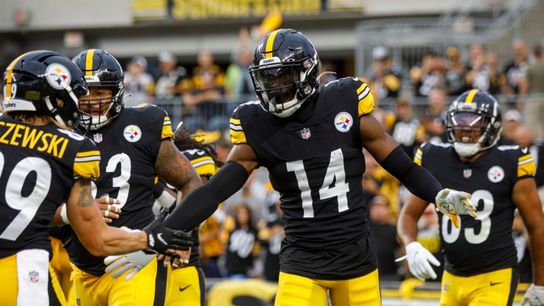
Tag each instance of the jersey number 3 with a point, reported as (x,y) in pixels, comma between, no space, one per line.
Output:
(335,173)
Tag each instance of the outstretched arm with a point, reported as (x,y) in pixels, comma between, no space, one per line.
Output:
(201,203)
(393,158)
(409,215)
(86,220)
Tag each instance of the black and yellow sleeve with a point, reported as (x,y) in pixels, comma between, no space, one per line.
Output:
(167,132)
(237,135)
(418,157)
(204,166)
(526,165)
(87,162)
(364,97)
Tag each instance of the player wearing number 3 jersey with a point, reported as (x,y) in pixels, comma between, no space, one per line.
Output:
(136,146)
(480,253)
(310,138)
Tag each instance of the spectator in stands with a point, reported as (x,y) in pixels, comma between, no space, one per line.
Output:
(207,83)
(455,72)
(382,226)
(406,130)
(525,137)
(512,120)
(206,90)
(533,88)
(211,245)
(429,75)
(486,75)
(238,84)
(138,83)
(386,79)
(515,69)
(242,244)
(477,56)
(435,116)
(169,81)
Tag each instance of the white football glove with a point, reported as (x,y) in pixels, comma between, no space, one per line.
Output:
(534,296)
(420,260)
(132,262)
(453,202)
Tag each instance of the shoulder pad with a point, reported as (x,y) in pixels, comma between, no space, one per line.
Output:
(362,92)
(237,134)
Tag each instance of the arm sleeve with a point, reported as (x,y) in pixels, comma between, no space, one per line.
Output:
(201,203)
(417,179)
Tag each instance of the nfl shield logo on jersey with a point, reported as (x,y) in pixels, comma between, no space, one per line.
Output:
(467,173)
(97,137)
(33,276)
(305,133)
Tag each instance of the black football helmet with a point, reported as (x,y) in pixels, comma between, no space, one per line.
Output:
(44,82)
(473,122)
(101,69)
(284,71)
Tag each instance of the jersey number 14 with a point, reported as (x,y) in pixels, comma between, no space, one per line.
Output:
(335,174)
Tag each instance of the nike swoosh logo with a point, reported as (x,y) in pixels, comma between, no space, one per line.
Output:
(181,289)
(494,284)
(162,239)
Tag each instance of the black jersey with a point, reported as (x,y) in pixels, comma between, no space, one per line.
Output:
(129,146)
(317,167)
(483,244)
(38,167)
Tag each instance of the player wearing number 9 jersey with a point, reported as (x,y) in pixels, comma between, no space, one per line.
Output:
(480,253)
(136,146)
(42,164)
(310,138)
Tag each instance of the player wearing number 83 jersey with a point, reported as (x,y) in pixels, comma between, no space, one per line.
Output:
(480,253)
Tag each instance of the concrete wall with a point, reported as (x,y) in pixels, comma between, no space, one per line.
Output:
(66,14)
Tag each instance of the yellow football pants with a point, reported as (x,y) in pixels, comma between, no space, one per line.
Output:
(61,271)
(105,290)
(496,288)
(185,287)
(303,291)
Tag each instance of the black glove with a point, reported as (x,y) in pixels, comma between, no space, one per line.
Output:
(160,238)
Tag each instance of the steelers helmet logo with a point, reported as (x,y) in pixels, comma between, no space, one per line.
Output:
(132,133)
(343,122)
(58,76)
(495,174)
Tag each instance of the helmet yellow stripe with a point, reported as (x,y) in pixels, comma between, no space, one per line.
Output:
(89,62)
(9,75)
(471,95)
(270,44)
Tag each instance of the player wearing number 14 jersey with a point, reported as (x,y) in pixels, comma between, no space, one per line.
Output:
(310,138)
(136,146)
(480,253)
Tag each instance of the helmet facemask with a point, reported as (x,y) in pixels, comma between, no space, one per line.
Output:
(283,87)
(99,110)
(470,132)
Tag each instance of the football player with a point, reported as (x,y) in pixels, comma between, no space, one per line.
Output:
(136,147)
(480,254)
(310,139)
(42,164)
